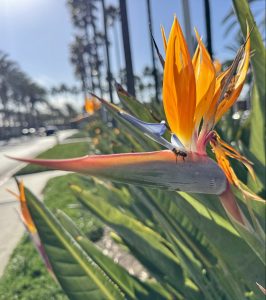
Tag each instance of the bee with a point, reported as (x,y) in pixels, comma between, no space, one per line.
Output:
(180,153)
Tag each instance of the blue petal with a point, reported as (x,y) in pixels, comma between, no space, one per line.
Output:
(153,130)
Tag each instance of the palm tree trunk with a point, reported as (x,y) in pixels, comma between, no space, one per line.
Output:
(92,85)
(109,74)
(155,75)
(97,56)
(208,26)
(127,49)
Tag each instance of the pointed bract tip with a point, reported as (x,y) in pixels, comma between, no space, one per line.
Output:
(261,288)
(231,207)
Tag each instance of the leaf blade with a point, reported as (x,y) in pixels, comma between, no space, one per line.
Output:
(77,273)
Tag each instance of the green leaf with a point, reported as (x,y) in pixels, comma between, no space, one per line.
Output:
(206,213)
(79,275)
(196,231)
(257,141)
(132,105)
(203,220)
(259,207)
(131,286)
(145,242)
(146,144)
(258,133)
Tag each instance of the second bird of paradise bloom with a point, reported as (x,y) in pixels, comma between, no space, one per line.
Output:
(91,105)
(30,226)
(195,98)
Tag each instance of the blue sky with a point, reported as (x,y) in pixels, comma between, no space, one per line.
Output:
(37,33)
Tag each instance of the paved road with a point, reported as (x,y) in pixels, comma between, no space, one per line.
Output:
(26,148)
(10,224)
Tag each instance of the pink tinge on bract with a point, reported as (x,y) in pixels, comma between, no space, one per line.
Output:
(230,205)
(160,169)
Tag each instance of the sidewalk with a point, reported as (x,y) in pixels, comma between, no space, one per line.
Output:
(11,226)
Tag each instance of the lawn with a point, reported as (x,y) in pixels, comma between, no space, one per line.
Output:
(79,134)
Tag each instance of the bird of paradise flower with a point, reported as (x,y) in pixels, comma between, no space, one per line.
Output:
(195,98)
(30,226)
(91,105)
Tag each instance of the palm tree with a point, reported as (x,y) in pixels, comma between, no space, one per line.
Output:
(109,74)
(84,17)
(77,53)
(113,15)
(127,48)
(208,26)
(154,71)
(19,98)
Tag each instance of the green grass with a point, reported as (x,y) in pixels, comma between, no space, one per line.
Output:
(25,277)
(80,134)
(57,195)
(59,151)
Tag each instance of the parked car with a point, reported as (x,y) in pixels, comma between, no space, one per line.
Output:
(50,130)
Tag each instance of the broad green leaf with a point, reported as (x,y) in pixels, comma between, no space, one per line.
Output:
(258,132)
(80,276)
(146,144)
(131,286)
(260,172)
(203,218)
(146,243)
(133,105)
(192,242)
(257,140)
(235,255)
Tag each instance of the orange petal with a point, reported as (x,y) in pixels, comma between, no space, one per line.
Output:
(179,87)
(224,163)
(205,75)
(237,86)
(210,114)
(91,105)
(196,60)
(164,39)
(24,210)
(236,155)
(217,66)
(30,226)
(221,150)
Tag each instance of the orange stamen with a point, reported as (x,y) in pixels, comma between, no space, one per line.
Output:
(222,152)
